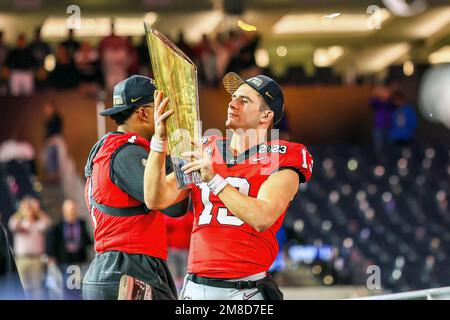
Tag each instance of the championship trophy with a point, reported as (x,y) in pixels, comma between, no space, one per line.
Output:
(176,75)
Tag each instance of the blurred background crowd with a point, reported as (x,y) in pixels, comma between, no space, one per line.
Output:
(366,91)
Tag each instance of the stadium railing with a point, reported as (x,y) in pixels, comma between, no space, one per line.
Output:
(442,293)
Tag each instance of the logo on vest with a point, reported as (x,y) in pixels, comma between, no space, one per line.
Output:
(256,81)
(132,139)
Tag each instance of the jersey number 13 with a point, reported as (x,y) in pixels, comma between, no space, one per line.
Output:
(222,213)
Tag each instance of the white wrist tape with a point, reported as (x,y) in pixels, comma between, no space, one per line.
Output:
(158,145)
(217,184)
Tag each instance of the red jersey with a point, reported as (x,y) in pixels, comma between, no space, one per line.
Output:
(128,227)
(222,245)
(179,230)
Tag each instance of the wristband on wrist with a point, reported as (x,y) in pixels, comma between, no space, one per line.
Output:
(217,184)
(158,145)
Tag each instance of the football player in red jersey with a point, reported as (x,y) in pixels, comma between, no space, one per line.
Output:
(248,183)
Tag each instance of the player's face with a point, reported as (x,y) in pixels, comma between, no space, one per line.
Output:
(244,109)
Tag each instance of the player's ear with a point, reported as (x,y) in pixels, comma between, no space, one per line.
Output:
(142,113)
(267,116)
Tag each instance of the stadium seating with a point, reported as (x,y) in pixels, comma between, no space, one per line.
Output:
(391,210)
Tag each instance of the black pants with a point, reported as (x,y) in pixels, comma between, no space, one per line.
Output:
(101,281)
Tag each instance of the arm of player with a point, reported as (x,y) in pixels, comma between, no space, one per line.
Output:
(272,200)
(160,191)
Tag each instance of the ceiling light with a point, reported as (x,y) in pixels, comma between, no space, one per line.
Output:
(325,57)
(262,58)
(319,23)
(408,68)
(440,56)
(281,51)
(377,59)
(429,23)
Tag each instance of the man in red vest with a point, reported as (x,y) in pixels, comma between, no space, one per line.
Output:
(130,238)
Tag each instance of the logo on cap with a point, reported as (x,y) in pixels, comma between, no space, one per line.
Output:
(267,94)
(134,100)
(256,81)
(117,100)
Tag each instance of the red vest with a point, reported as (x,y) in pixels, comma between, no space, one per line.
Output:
(121,222)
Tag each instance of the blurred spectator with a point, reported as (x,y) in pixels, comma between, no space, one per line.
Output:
(133,54)
(28,226)
(383,108)
(10,285)
(243,58)
(114,59)
(65,75)
(3,70)
(20,150)
(20,64)
(39,51)
(178,240)
(233,42)
(144,57)
(88,65)
(404,121)
(53,141)
(222,54)
(67,245)
(71,45)
(206,60)
(184,46)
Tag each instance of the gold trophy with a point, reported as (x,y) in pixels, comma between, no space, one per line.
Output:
(176,75)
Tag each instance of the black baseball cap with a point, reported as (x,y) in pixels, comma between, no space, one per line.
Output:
(130,93)
(268,88)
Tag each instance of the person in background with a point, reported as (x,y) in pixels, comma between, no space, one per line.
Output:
(65,75)
(222,54)
(184,46)
(67,245)
(17,148)
(39,51)
(383,108)
(144,57)
(71,45)
(404,120)
(20,64)
(53,141)
(115,59)
(178,240)
(88,64)
(4,50)
(28,227)
(10,285)
(133,54)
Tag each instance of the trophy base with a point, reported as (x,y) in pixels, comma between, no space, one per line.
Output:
(184,180)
